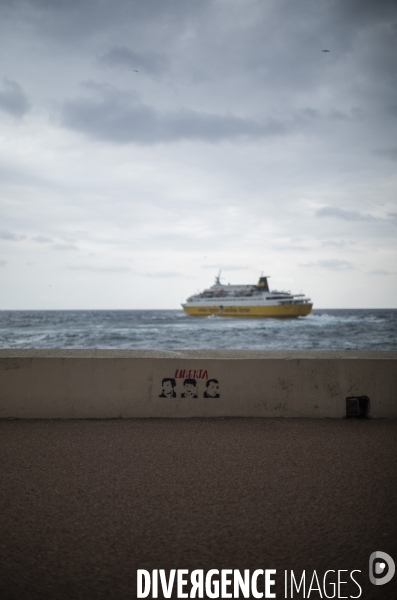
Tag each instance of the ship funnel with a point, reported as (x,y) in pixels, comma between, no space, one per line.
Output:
(262,283)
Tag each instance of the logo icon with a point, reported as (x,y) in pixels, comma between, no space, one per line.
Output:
(381,568)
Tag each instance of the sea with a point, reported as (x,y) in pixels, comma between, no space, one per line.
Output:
(369,329)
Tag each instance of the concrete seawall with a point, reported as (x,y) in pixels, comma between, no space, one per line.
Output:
(233,383)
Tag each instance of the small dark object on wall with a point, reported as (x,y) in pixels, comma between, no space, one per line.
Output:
(357,407)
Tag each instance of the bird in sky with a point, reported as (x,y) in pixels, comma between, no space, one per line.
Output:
(326,50)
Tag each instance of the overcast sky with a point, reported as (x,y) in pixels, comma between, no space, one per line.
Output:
(147,144)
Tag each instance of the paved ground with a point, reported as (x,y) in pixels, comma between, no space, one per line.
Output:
(84,504)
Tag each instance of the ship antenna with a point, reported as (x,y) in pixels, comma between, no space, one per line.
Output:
(218,278)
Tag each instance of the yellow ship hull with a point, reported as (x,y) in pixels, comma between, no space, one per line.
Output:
(278,311)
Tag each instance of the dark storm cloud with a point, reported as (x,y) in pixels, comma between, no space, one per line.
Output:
(118,117)
(13,99)
(374,25)
(277,43)
(346,215)
(359,33)
(98,15)
(148,62)
(364,12)
(71,21)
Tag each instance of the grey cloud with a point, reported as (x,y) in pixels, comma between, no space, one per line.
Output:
(331,264)
(219,267)
(95,269)
(117,117)
(360,12)
(2,263)
(393,217)
(195,35)
(16,174)
(343,27)
(338,115)
(70,21)
(289,247)
(358,112)
(149,62)
(353,114)
(162,274)
(311,113)
(41,239)
(354,215)
(12,237)
(61,246)
(96,16)
(13,99)
(346,215)
(379,272)
(335,243)
(387,153)
(392,109)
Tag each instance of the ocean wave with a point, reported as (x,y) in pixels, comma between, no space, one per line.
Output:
(323,329)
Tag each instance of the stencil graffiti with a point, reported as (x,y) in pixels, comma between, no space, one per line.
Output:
(190,387)
(191,373)
(168,388)
(212,389)
(196,384)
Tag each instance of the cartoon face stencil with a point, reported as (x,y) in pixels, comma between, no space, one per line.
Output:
(168,388)
(212,389)
(190,388)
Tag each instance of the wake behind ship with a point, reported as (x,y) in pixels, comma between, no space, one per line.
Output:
(247,301)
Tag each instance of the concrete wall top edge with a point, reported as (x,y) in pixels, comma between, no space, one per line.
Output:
(199,354)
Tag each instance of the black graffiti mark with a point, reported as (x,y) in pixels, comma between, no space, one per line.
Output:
(190,387)
(192,373)
(168,388)
(212,389)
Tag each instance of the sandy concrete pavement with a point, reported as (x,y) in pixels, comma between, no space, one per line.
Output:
(85,503)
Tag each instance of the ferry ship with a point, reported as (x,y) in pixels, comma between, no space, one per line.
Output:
(247,301)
